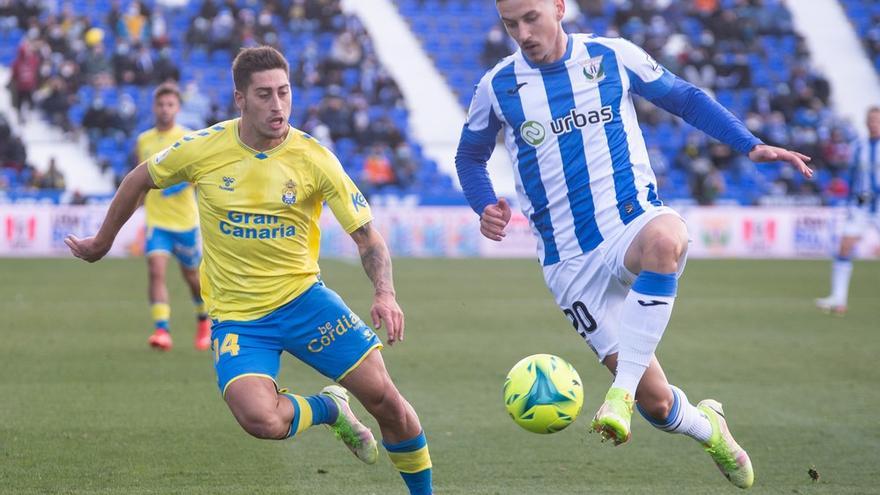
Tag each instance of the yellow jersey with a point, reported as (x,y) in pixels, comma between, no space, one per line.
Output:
(173,208)
(259,214)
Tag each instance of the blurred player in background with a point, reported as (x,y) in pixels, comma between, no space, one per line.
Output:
(863,212)
(261,185)
(172,226)
(611,252)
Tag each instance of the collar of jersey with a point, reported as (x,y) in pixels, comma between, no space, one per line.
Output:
(174,128)
(259,154)
(551,65)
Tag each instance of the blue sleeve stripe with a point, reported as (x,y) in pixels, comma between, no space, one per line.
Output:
(175,189)
(474,149)
(656,284)
(654,89)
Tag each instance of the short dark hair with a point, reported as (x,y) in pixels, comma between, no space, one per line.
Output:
(256,59)
(873,108)
(166,88)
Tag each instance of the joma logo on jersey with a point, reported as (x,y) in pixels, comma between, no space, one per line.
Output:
(533,132)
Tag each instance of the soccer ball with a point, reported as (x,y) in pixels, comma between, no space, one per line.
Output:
(543,393)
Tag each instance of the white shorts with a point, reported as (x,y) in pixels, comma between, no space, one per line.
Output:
(590,288)
(859,219)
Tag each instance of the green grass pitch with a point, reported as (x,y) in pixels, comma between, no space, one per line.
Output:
(87,408)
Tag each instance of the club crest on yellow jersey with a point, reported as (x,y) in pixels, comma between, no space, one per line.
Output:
(288,194)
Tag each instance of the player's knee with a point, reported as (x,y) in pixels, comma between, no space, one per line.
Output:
(265,426)
(666,250)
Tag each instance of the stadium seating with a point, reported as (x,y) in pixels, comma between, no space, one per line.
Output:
(774,59)
(210,71)
(759,69)
(865,17)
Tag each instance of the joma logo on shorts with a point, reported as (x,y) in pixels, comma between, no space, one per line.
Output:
(332,329)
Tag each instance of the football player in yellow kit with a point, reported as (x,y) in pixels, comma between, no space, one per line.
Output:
(261,184)
(172,219)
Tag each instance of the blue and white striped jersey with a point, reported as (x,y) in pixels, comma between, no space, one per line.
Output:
(864,179)
(581,165)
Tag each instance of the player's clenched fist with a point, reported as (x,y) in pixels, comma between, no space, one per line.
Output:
(494,219)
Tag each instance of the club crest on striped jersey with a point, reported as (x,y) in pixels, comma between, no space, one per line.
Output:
(593,70)
(288,194)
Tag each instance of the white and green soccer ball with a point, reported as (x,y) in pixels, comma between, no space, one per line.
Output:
(543,393)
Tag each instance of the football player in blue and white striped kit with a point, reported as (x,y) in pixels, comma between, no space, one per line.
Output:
(863,212)
(611,252)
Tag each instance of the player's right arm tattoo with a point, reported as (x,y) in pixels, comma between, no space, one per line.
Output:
(375,257)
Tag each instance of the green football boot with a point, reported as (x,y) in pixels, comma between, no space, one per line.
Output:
(613,418)
(731,459)
(357,437)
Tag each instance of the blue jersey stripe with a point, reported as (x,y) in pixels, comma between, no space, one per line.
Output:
(527,159)
(652,195)
(560,97)
(611,94)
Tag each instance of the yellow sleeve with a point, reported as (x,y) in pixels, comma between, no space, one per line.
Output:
(348,204)
(174,164)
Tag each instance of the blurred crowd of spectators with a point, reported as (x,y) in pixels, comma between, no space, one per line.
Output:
(132,46)
(16,171)
(725,51)
(63,51)
(357,93)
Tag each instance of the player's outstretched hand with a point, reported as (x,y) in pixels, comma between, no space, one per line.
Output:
(764,153)
(88,249)
(386,311)
(494,219)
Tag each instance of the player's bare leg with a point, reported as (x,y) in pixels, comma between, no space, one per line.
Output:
(202,340)
(654,255)
(841,273)
(402,434)
(259,408)
(157,265)
(268,413)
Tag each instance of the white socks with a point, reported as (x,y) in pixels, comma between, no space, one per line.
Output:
(841,272)
(684,418)
(645,314)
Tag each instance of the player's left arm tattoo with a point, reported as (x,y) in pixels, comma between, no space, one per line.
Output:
(375,257)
